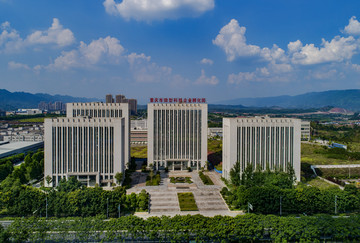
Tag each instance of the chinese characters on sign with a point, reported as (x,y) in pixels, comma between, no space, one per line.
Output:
(177,100)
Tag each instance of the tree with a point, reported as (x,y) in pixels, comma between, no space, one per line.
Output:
(247,177)
(119,177)
(6,169)
(48,179)
(70,185)
(235,174)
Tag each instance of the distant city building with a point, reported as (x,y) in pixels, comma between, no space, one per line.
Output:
(104,110)
(91,149)
(305,131)
(177,133)
(138,133)
(139,124)
(138,136)
(215,132)
(109,99)
(121,99)
(57,106)
(9,149)
(264,142)
(133,106)
(28,112)
(2,113)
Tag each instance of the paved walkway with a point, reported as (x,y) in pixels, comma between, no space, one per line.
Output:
(164,200)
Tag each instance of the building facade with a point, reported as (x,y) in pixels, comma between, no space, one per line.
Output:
(91,149)
(103,110)
(264,142)
(133,106)
(305,131)
(177,135)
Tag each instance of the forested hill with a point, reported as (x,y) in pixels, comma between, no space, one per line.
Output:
(348,99)
(15,100)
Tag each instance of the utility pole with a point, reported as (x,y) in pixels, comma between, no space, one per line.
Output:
(280,205)
(107,208)
(335,205)
(46,205)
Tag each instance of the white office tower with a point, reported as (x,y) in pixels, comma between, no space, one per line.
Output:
(91,149)
(105,110)
(177,134)
(262,142)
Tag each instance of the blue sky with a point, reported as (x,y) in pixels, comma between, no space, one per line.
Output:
(217,49)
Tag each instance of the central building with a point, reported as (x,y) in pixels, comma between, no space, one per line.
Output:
(177,133)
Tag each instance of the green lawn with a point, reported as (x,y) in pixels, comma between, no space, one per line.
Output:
(139,151)
(316,182)
(187,201)
(311,154)
(38,119)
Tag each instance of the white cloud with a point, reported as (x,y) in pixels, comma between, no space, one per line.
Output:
(148,10)
(103,50)
(56,34)
(10,40)
(207,61)
(232,40)
(294,46)
(274,54)
(353,28)
(241,77)
(145,71)
(273,72)
(15,65)
(337,50)
(355,67)
(203,79)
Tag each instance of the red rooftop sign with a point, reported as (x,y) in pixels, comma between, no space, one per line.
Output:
(177,100)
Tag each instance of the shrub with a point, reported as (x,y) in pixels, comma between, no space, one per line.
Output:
(205,179)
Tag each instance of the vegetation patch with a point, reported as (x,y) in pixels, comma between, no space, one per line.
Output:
(219,167)
(138,151)
(186,228)
(205,179)
(187,201)
(180,180)
(322,155)
(153,180)
(321,184)
(215,151)
(339,173)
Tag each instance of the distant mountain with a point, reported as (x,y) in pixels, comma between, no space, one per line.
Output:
(16,100)
(348,99)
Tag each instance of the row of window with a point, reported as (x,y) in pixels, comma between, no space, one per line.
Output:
(82,149)
(177,134)
(265,146)
(97,112)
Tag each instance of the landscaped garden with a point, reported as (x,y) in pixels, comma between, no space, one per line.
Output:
(152,179)
(187,201)
(180,180)
(205,179)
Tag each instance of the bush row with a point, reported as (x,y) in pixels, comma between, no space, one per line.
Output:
(205,179)
(245,228)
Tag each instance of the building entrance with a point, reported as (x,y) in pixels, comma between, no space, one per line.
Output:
(177,165)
